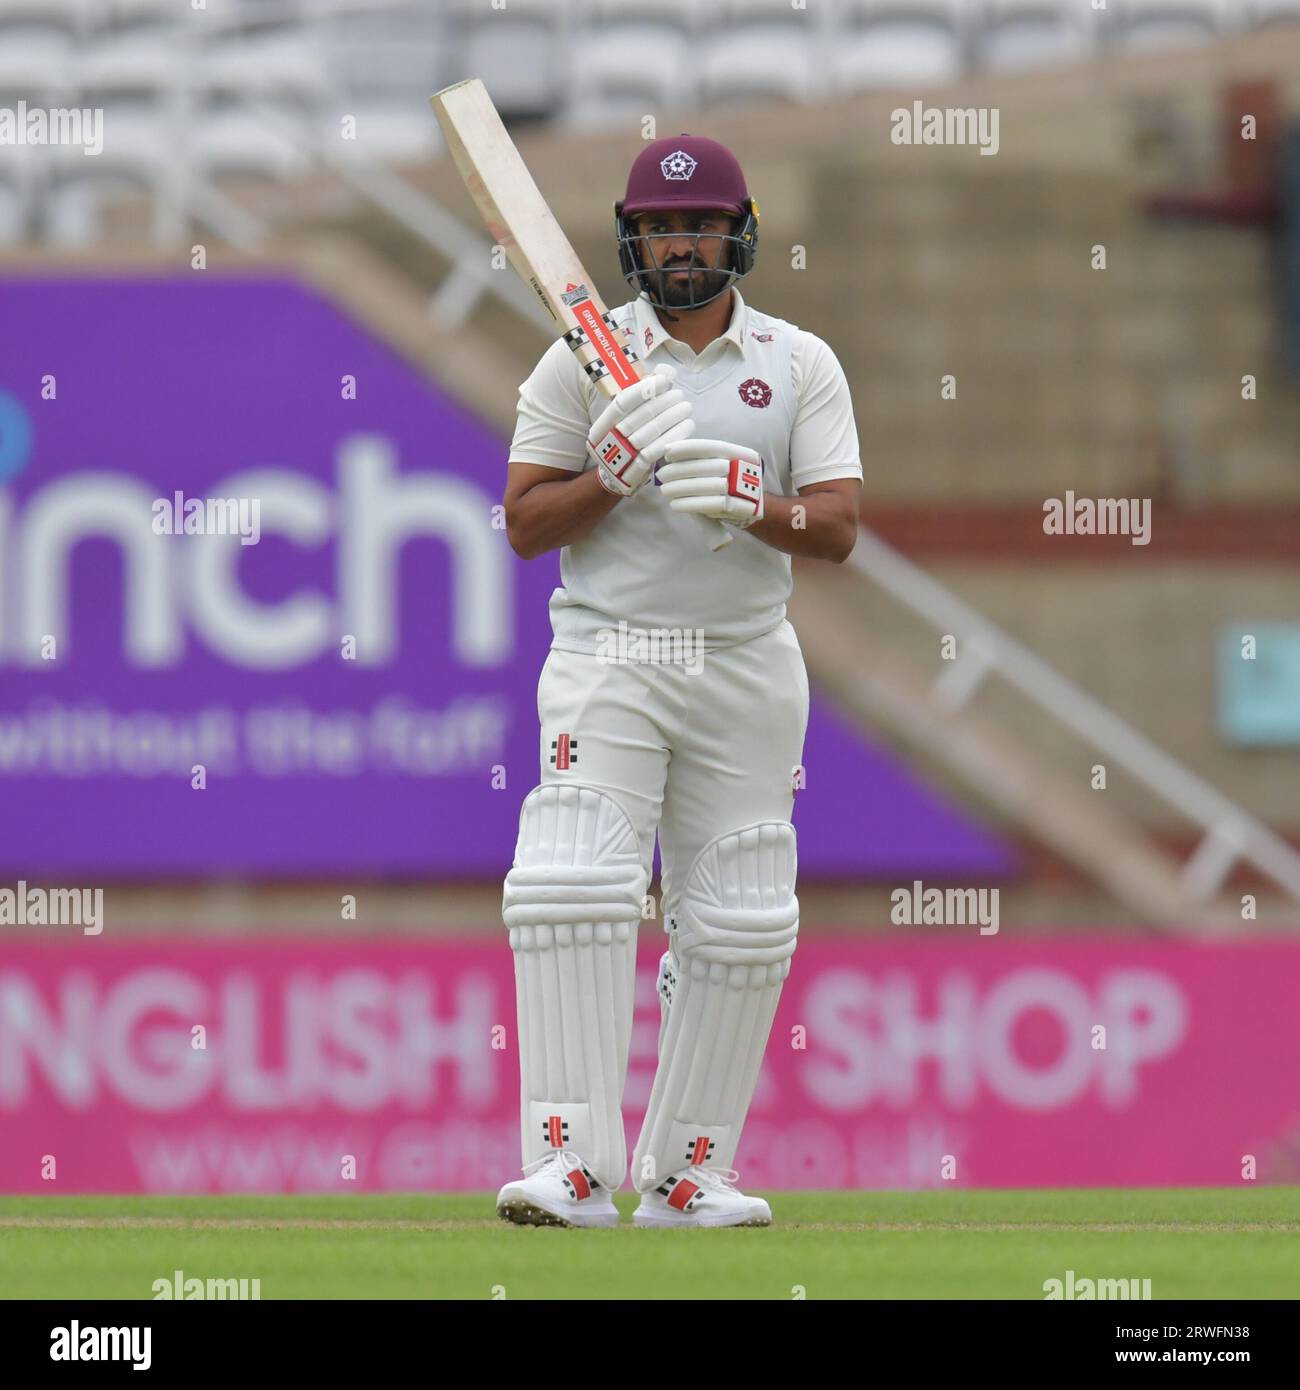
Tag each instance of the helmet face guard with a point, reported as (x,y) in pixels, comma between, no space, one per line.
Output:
(645,278)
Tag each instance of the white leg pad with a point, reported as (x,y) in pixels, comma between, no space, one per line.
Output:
(732,937)
(572,902)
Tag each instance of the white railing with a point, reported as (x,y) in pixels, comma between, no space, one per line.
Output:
(470,274)
(1231,833)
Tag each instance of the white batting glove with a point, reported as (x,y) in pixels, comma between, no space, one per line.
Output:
(715,479)
(631,433)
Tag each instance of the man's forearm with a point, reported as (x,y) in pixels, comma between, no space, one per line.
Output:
(555,514)
(816,526)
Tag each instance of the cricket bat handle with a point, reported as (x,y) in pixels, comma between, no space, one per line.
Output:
(717,533)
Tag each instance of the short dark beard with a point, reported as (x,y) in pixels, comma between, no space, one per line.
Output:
(704,283)
(707,282)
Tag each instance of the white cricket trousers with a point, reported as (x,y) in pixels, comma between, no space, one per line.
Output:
(689,753)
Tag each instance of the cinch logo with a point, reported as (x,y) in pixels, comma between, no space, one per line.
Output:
(170,589)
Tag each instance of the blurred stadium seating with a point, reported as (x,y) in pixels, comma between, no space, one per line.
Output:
(161,63)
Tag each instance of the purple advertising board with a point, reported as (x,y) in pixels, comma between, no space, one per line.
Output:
(360,684)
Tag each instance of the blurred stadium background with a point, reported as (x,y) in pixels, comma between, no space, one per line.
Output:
(271,282)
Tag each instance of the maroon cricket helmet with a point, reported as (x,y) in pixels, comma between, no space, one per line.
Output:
(686,173)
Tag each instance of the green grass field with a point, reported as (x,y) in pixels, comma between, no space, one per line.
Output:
(1207,1243)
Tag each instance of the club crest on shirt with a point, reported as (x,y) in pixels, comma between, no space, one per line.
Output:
(755,392)
(649,338)
(762,337)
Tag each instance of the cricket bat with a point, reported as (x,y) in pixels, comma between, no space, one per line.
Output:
(520,221)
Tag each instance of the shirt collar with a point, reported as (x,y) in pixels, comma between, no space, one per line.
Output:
(647,321)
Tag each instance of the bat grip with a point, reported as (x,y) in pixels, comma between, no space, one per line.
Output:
(717,533)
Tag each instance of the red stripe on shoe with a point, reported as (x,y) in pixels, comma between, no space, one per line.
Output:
(682,1194)
(580,1185)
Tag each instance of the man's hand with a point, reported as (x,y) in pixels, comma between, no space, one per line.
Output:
(714,479)
(632,432)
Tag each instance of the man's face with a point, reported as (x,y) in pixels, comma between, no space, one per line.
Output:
(672,244)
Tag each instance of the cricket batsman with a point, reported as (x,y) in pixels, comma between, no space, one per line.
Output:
(674,701)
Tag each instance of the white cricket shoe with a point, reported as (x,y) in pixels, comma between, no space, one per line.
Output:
(701,1197)
(558,1190)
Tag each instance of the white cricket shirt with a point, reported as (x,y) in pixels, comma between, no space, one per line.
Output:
(764,383)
